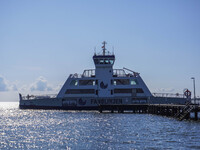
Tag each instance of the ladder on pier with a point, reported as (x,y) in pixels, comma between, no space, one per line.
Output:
(185,111)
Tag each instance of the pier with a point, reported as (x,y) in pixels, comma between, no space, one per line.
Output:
(180,112)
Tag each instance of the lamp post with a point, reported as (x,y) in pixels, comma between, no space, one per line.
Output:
(194,88)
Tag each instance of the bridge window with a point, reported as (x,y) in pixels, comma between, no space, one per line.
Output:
(101,61)
(112,61)
(107,61)
(96,61)
(104,61)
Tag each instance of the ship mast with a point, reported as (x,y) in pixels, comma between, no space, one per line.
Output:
(104,47)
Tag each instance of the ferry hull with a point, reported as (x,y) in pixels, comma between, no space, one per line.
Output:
(94,103)
(91,108)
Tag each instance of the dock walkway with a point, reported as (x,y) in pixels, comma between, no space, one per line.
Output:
(181,112)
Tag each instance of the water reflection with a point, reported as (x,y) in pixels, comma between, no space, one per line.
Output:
(54,129)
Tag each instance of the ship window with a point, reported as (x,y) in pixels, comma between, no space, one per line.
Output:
(74,83)
(111,61)
(107,61)
(101,61)
(121,82)
(86,82)
(139,91)
(80,91)
(122,90)
(96,61)
(133,82)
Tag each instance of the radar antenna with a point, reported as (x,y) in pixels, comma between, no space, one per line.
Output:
(104,47)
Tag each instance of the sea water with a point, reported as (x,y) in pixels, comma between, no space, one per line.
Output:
(60,129)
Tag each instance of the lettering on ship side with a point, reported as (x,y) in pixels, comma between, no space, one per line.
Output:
(106,101)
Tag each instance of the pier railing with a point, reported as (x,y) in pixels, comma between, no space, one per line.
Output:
(177,95)
(29,97)
(195,101)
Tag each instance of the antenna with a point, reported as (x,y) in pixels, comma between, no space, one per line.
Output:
(95,50)
(104,47)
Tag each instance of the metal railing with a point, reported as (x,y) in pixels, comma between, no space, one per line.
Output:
(29,97)
(195,101)
(168,95)
(123,73)
(76,75)
(89,73)
(116,73)
(86,73)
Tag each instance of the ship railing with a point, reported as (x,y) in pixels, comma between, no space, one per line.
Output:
(30,97)
(76,75)
(86,73)
(175,95)
(116,73)
(89,73)
(124,73)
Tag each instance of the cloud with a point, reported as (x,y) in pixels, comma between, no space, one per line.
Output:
(41,85)
(5,85)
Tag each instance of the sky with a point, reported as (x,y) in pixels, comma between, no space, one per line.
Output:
(42,42)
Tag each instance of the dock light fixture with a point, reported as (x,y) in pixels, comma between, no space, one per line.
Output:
(194,88)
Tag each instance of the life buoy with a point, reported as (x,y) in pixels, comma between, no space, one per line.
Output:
(187,93)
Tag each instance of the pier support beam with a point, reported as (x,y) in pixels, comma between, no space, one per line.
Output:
(196,114)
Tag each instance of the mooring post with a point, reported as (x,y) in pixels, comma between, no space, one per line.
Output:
(100,110)
(196,114)
(153,110)
(187,116)
(167,111)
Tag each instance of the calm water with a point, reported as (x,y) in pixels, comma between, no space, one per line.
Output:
(55,129)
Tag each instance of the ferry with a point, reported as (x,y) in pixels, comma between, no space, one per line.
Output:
(100,86)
